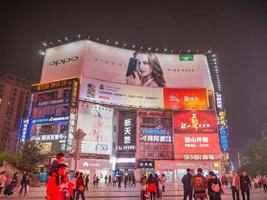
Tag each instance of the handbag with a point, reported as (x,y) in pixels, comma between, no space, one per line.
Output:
(143,187)
(81,188)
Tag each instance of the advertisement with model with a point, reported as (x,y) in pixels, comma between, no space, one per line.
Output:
(96,122)
(130,67)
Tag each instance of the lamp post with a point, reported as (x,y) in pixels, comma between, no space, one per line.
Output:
(78,138)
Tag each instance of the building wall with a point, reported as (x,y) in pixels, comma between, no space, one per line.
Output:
(14,101)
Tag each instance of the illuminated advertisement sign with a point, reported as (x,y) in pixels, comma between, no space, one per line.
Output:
(51,137)
(200,143)
(155,134)
(131,67)
(185,98)
(71,128)
(24,129)
(118,94)
(53,85)
(96,122)
(221,117)
(127,131)
(146,164)
(195,121)
(50,119)
(223,137)
(219,100)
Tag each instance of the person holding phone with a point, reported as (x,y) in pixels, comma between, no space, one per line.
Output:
(144,70)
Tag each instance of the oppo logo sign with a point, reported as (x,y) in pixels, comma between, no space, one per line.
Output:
(63,61)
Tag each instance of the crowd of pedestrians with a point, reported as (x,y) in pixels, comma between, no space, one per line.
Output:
(8,186)
(150,186)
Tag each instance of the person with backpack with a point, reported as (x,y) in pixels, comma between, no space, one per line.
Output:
(214,187)
(54,165)
(186,180)
(199,183)
(80,187)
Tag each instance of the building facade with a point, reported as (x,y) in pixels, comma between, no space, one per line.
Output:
(14,102)
(140,111)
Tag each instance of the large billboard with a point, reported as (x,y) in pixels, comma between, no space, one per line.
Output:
(185,98)
(124,66)
(189,144)
(154,128)
(195,121)
(119,94)
(96,122)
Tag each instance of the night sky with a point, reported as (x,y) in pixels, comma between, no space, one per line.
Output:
(236,31)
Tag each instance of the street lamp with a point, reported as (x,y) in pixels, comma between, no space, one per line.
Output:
(78,138)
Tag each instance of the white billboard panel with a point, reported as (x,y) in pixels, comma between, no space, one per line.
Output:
(119,94)
(96,122)
(111,64)
(63,62)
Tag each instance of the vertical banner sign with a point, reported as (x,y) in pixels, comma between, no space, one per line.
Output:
(127,131)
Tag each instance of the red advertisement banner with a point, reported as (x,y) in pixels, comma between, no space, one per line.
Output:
(185,98)
(194,144)
(195,121)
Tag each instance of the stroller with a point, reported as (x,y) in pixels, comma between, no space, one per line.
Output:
(9,190)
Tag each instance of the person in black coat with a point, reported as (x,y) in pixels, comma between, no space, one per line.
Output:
(214,187)
(245,185)
(188,189)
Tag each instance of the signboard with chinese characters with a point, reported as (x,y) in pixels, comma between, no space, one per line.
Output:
(50,119)
(146,164)
(24,129)
(219,100)
(221,117)
(185,98)
(155,134)
(127,131)
(119,94)
(223,137)
(196,143)
(195,121)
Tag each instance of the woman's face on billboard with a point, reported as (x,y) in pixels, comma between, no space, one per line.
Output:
(143,67)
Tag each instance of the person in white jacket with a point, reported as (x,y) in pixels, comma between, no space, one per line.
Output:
(2,180)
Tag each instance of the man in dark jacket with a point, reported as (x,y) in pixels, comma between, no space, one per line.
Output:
(245,185)
(186,180)
(199,183)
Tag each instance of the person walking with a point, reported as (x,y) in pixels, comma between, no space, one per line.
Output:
(151,186)
(15,179)
(106,179)
(214,187)
(157,180)
(80,187)
(125,180)
(163,182)
(113,180)
(3,179)
(24,183)
(199,184)
(94,180)
(235,185)
(109,179)
(264,183)
(188,189)
(86,181)
(143,187)
(245,185)
(74,181)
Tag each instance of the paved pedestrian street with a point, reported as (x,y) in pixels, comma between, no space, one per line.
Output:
(174,191)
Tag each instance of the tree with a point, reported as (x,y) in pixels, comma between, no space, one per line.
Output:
(9,157)
(31,156)
(256,153)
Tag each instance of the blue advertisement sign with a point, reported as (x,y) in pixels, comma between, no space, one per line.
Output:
(223,131)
